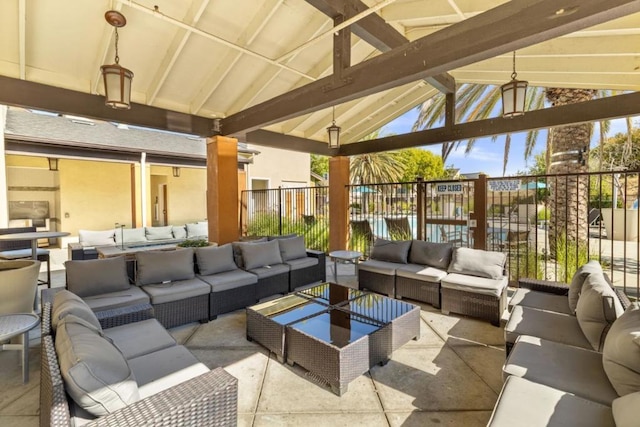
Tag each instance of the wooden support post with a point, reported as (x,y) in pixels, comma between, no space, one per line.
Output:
(222,189)
(480,212)
(338,203)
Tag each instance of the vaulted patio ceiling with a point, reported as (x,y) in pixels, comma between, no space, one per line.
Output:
(267,69)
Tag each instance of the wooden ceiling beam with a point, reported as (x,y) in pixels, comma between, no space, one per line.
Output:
(378,33)
(510,26)
(288,142)
(596,110)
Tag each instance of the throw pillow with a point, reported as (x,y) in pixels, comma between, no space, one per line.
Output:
(164,266)
(159,233)
(127,236)
(215,259)
(578,280)
(67,303)
(97,276)
(179,232)
(391,250)
(197,230)
(256,255)
(237,251)
(96,238)
(625,410)
(597,308)
(476,262)
(437,255)
(283,236)
(621,352)
(292,248)
(95,373)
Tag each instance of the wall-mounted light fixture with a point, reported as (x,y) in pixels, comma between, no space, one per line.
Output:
(117,79)
(334,132)
(513,94)
(53,163)
(176,172)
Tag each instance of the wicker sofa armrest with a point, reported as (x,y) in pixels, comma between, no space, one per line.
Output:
(548,286)
(210,399)
(316,254)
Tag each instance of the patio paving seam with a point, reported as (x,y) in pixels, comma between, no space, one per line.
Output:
(384,411)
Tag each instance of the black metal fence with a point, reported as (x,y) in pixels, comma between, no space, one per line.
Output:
(548,225)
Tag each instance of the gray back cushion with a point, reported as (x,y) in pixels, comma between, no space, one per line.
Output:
(95,373)
(261,254)
(621,352)
(198,230)
(476,262)
(126,236)
(625,410)
(292,248)
(97,276)
(65,303)
(436,255)
(237,251)
(578,280)
(215,259)
(159,233)
(391,250)
(179,232)
(598,307)
(164,266)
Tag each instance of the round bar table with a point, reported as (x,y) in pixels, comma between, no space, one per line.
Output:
(13,325)
(33,236)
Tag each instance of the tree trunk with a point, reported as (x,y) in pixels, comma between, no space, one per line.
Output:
(569,193)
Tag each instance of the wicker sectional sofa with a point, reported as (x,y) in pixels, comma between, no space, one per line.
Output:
(130,373)
(551,381)
(186,285)
(459,280)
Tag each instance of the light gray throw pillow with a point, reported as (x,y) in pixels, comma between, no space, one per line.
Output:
(87,278)
(437,255)
(578,280)
(476,262)
(159,233)
(95,373)
(237,249)
(215,259)
(126,236)
(164,266)
(261,254)
(391,250)
(292,248)
(625,410)
(96,238)
(67,303)
(621,353)
(179,232)
(200,230)
(598,307)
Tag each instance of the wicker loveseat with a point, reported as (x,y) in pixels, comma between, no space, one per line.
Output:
(549,381)
(459,280)
(132,373)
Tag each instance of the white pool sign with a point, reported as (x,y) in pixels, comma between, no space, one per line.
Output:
(449,188)
(509,185)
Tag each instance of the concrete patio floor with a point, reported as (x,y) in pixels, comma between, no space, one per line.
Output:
(450,376)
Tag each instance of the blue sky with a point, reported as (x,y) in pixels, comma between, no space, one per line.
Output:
(487,155)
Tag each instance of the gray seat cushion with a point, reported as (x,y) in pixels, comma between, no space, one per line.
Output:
(131,296)
(95,373)
(272,270)
(300,263)
(65,302)
(22,253)
(229,280)
(540,300)
(161,293)
(97,276)
(564,367)
(164,369)
(474,284)
(549,325)
(523,403)
(140,338)
(421,272)
(379,267)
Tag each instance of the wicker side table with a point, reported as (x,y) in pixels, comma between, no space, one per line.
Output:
(13,325)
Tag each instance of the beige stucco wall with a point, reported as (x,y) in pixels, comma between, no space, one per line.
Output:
(186,194)
(280,166)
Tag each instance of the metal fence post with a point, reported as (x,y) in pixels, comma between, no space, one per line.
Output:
(280,210)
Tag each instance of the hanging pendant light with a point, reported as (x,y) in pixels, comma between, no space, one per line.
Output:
(117,79)
(334,132)
(514,94)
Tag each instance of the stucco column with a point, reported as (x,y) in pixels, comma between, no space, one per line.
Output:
(338,203)
(222,189)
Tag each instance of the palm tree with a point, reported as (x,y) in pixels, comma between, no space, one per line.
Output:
(375,168)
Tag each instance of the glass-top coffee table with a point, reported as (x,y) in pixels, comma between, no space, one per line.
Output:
(336,333)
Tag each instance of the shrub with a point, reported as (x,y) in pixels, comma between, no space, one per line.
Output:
(193,243)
